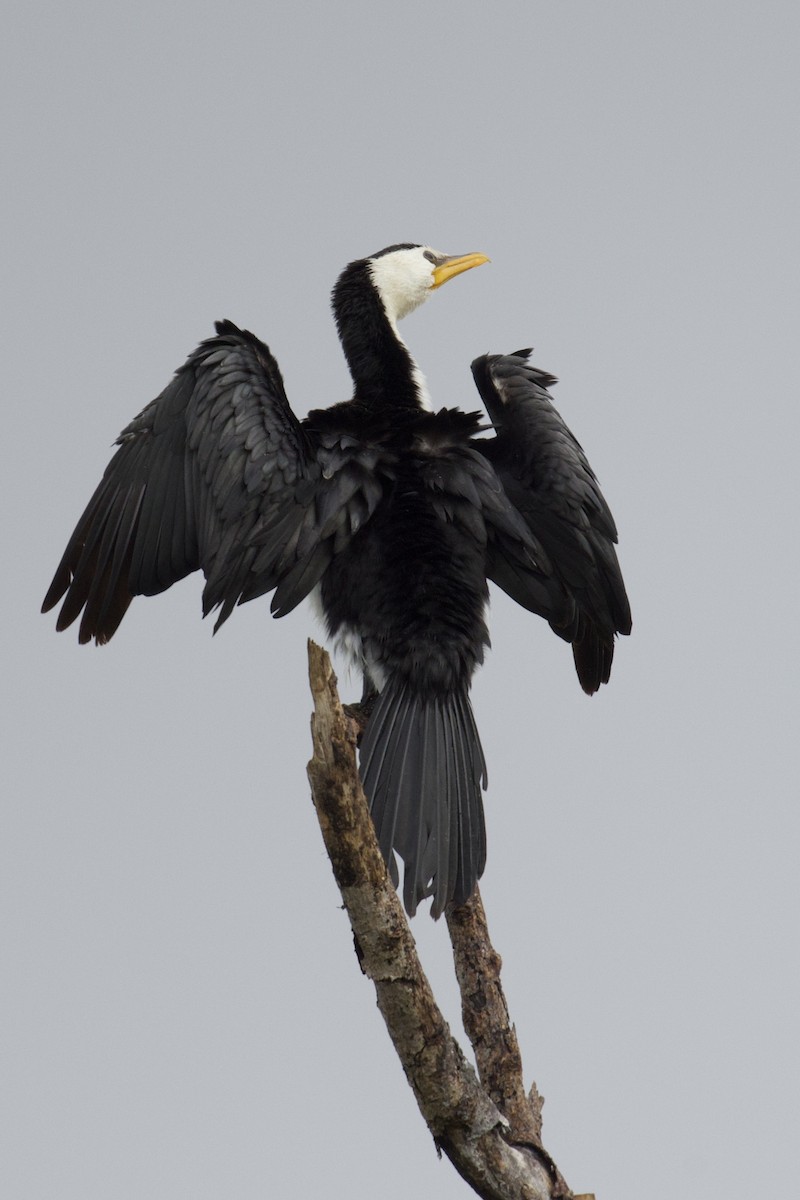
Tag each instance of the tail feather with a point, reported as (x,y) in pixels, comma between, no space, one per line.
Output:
(422,767)
(472,834)
(387,726)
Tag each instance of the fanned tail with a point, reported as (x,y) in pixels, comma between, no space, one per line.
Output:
(422,767)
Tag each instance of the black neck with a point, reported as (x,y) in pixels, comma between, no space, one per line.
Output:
(381,366)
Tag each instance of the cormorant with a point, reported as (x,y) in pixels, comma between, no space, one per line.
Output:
(394,515)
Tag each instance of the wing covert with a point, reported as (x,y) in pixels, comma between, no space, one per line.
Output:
(295,539)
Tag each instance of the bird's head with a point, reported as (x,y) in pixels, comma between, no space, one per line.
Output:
(404,276)
(400,278)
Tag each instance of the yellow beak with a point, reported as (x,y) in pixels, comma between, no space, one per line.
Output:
(454,266)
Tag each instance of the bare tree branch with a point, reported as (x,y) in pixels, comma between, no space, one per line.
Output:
(489,1129)
(484,1012)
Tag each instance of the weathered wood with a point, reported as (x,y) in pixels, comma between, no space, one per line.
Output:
(489,1130)
(484,1012)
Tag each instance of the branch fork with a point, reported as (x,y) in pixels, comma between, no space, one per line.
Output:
(485,1123)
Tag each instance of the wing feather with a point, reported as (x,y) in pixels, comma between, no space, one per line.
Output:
(189,482)
(547,478)
(217,474)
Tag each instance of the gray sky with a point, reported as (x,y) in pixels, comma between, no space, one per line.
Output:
(184,1015)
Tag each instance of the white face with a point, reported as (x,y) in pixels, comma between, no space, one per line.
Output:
(404,278)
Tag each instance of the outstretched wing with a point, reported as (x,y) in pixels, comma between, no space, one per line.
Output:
(218,455)
(547,478)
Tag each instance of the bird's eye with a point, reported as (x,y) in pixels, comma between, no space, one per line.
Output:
(431,257)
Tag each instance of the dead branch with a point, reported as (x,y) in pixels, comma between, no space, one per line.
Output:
(490,1130)
(484,1012)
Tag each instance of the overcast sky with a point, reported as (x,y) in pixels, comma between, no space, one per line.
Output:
(184,1015)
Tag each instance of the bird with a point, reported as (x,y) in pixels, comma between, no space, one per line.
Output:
(393,517)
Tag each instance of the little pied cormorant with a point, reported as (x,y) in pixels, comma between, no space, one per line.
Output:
(394,514)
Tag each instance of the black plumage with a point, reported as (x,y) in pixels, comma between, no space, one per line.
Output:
(547,477)
(396,516)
